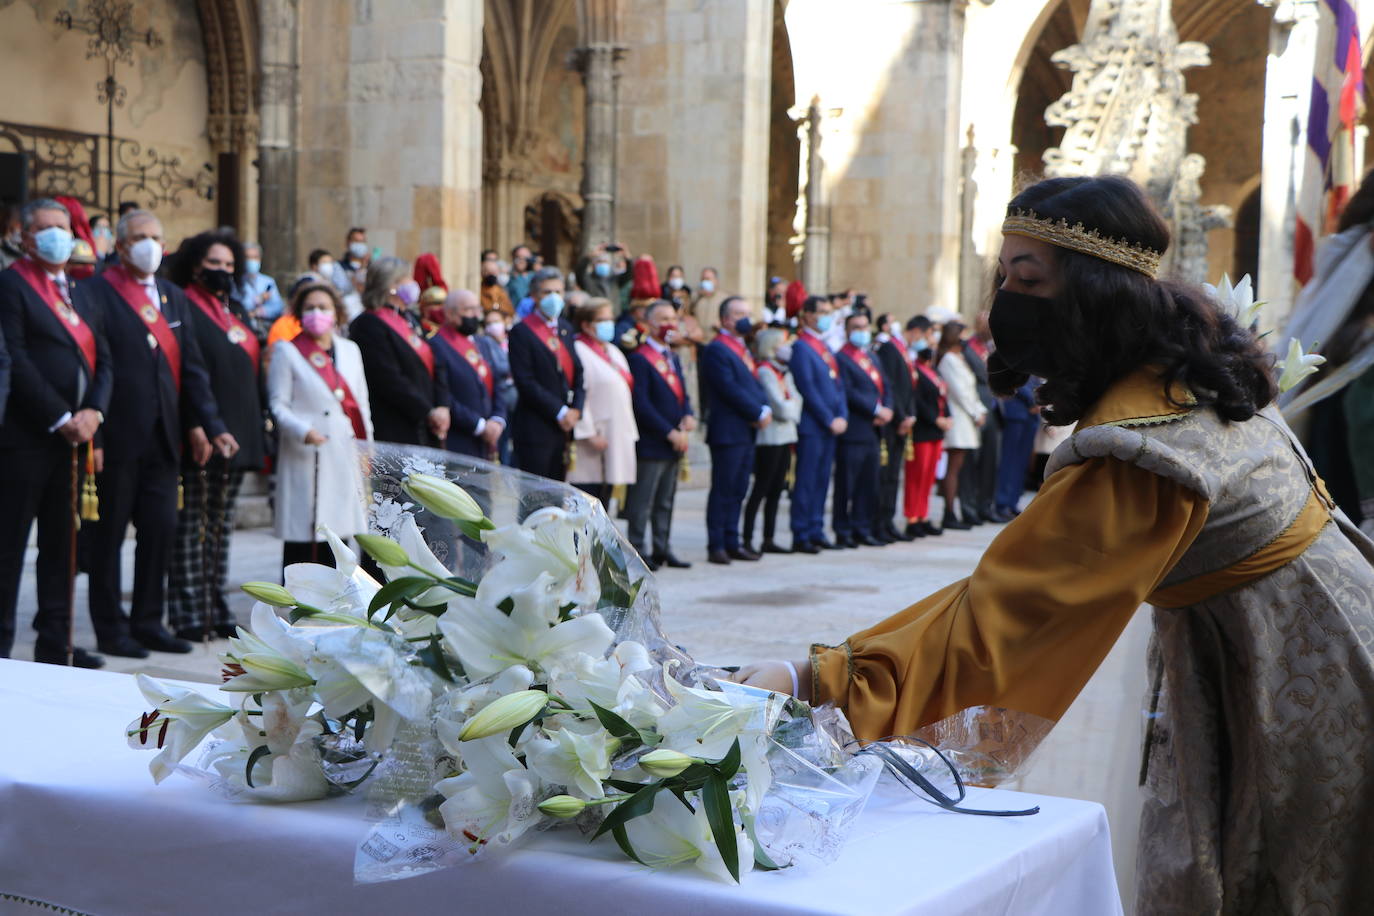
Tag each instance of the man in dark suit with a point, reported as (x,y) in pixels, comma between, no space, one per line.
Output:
(856,458)
(978,479)
(738,406)
(548,378)
(160,398)
(62,377)
(1021,421)
(663,413)
(890,351)
(825,417)
(477,415)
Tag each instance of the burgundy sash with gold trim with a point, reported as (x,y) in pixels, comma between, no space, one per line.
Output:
(393,320)
(598,348)
(159,331)
(663,365)
(863,362)
(738,348)
(815,343)
(42,284)
(235,330)
(541,329)
(935,378)
(316,356)
(468,350)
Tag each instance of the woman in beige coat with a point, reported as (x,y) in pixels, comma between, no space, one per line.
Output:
(605,436)
(965,409)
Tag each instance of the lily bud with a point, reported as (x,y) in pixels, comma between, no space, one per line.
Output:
(384,550)
(504,714)
(562,806)
(270,593)
(664,763)
(442,497)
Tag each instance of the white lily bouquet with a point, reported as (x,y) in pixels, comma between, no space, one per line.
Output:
(530,687)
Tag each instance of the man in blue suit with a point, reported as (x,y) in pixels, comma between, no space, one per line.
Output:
(478,415)
(1020,423)
(825,416)
(738,406)
(856,460)
(663,413)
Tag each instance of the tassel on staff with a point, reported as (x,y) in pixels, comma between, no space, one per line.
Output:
(684,469)
(882,453)
(909,451)
(90,497)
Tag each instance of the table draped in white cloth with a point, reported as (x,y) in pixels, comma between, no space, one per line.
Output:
(83,827)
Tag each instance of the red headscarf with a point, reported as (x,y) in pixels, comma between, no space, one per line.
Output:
(646,285)
(427,272)
(794,297)
(81,228)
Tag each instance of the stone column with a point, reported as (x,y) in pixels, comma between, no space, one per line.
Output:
(279,103)
(816,254)
(600,64)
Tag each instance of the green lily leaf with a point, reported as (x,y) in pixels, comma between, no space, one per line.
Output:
(715,795)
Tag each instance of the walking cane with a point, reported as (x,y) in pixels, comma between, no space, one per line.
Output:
(315,512)
(204,561)
(222,517)
(71,566)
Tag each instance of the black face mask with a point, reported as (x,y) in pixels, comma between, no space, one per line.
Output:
(1019,326)
(468,325)
(216,281)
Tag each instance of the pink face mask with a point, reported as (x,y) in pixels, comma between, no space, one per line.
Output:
(408,292)
(317,323)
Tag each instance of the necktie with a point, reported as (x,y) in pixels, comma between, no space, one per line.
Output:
(61,281)
(150,288)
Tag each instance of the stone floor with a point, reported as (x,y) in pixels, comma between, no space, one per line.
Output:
(776,608)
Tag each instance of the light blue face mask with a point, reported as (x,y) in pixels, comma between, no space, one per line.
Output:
(824,323)
(605,331)
(921,345)
(551,306)
(602,269)
(861,339)
(54,244)
(252,265)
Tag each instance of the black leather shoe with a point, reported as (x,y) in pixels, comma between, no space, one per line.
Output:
(718,556)
(865,540)
(931,530)
(651,563)
(197,634)
(743,553)
(895,534)
(226,629)
(953,524)
(770,547)
(845,541)
(124,647)
(80,657)
(972,519)
(671,562)
(915,530)
(160,640)
(804,548)
(823,544)
(882,537)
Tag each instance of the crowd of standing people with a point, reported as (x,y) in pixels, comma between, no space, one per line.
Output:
(151,380)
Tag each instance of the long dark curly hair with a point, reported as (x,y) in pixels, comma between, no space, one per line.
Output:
(182,269)
(1110,320)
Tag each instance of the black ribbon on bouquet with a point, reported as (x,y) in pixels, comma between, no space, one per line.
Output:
(911,777)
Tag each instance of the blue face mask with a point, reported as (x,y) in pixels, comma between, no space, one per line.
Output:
(605,331)
(743,326)
(252,265)
(861,339)
(824,323)
(54,244)
(551,305)
(602,269)
(921,345)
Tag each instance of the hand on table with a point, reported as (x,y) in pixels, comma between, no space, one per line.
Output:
(774,675)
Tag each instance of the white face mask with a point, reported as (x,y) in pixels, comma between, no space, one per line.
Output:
(675,283)
(146,255)
(708,286)
(358,249)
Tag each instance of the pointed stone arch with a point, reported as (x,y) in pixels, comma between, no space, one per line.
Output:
(230,32)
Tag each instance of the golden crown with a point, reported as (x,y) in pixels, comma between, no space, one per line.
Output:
(1086,241)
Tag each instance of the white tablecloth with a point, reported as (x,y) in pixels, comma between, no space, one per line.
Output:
(82,826)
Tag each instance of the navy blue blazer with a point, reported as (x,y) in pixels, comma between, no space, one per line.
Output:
(823,397)
(542,386)
(864,399)
(469,403)
(144,391)
(657,409)
(734,396)
(1017,408)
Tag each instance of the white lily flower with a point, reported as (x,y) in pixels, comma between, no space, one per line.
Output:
(704,723)
(180,720)
(267,654)
(353,666)
(283,717)
(493,803)
(1297,365)
(408,535)
(345,588)
(486,640)
(442,497)
(673,835)
(292,776)
(573,759)
(456,707)
(611,684)
(1238,301)
(552,541)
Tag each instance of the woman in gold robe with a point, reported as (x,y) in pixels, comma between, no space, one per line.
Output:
(1181,487)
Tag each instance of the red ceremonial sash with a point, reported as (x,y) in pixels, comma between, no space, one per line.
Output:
(235,330)
(866,364)
(316,356)
(541,329)
(468,350)
(911,362)
(738,348)
(782,380)
(160,332)
(596,347)
(664,367)
(935,379)
(46,289)
(392,319)
(815,343)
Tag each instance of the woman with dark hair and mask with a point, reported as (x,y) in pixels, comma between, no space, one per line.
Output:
(1181,487)
(209,267)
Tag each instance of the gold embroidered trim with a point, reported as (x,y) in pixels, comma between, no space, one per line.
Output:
(1084,240)
(1157,420)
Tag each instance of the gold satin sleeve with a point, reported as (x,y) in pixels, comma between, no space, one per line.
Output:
(1048,599)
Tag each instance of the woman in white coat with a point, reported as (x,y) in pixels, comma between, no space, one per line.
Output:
(966,412)
(605,436)
(317,393)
